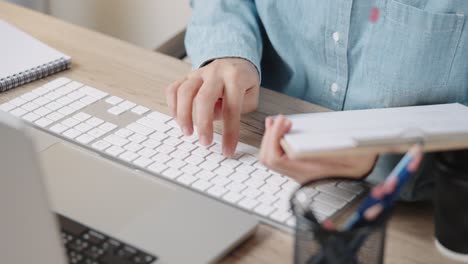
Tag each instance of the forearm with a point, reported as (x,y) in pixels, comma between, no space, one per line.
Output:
(224,28)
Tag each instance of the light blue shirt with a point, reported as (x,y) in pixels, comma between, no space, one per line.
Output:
(330,53)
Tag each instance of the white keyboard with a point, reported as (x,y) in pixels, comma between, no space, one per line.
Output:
(154,142)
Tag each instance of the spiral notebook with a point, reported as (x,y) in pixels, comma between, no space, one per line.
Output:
(25,59)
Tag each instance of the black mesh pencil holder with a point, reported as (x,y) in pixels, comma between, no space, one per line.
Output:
(316,244)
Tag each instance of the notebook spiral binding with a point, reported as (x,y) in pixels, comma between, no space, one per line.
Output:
(34,74)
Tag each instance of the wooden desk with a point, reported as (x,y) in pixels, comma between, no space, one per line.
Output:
(141,75)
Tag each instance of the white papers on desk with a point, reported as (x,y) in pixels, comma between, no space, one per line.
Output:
(317,132)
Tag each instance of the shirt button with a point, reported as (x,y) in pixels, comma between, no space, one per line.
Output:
(334,87)
(336,36)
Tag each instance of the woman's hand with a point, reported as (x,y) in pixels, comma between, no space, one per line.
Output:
(273,156)
(224,89)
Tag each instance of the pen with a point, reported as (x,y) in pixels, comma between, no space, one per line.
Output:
(382,196)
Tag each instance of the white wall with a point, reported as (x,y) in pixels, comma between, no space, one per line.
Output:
(147,23)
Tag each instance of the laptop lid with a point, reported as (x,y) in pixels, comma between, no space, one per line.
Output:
(28,228)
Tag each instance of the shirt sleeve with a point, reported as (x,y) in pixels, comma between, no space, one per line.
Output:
(224,28)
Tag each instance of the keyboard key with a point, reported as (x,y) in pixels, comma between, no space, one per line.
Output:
(64,100)
(78,105)
(116,140)
(171,173)
(264,209)
(108,126)
(186,179)
(31,117)
(322,208)
(245,168)
(205,175)
(158,168)
(179,154)
(202,185)
(43,122)
(158,136)
(153,124)
(223,171)
(239,177)
(215,157)
(54,116)
(217,148)
(251,193)
(267,199)
(113,100)
(260,166)
(82,116)
(52,96)
(194,160)
(74,85)
(290,185)
(209,165)
(101,145)
(17,101)
(269,188)
(127,105)
(133,147)
(58,128)
(83,127)
(54,106)
(159,117)
(190,169)
(147,152)
(123,132)
(276,180)
(41,101)
(190,139)
(66,110)
(140,129)
(137,138)
(201,152)
(87,100)
(40,91)
(71,133)
(151,143)
(42,111)
(85,139)
(254,183)
(6,107)
(260,174)
(56,83)
(76,95)
(248,203)
(236,187)
(143,162)
(161,157)
(97,133)
(116,110)
(217,191)
(220,181)
(171,141)
(175,132)
(140,110)
(232,197)
(176,163)
(30,106)
(114,150)
(29,96)
(70,122)
(280,215)
(128,156)
(230,163)
(93,92)
(165,149)
(94,121)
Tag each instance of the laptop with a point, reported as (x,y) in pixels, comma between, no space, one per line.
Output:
(103,212)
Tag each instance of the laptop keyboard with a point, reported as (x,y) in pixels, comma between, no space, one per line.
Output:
(86,246)
(152,141)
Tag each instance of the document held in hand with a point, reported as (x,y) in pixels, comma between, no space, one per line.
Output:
(387,130)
